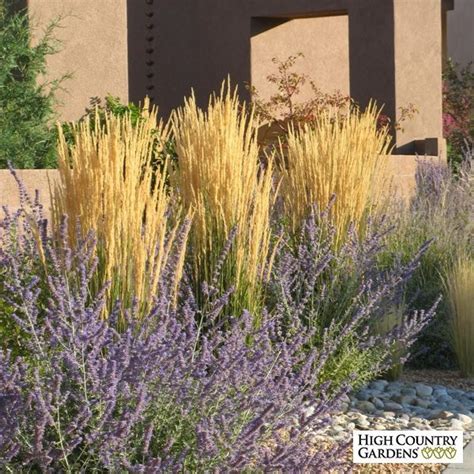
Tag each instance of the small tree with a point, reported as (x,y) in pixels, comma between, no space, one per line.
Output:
(27,138)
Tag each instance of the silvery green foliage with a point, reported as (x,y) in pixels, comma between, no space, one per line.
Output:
(181,390)
(443,210)
(342,294)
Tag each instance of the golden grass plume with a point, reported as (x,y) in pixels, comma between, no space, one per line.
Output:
(220,178)
(108,185)
(341,156)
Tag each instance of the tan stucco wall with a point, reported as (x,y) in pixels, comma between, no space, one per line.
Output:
(401,169)
(324,43)
(418,67)
(32,180)
(389,50)
(461,32)
(94,37)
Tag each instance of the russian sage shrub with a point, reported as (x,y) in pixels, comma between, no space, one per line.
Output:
(346,296)
(164,394)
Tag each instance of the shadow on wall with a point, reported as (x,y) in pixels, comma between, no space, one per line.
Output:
(323,41)
(174,49)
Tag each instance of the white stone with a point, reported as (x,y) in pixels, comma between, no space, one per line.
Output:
(445,415)
(464,419)
(456,425)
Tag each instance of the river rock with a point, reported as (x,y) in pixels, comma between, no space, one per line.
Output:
(404,399)
(408,391)
(378,385)
(464,419)
(421,402)
(366,406)
(423,390)
(378,403)
(392,406)
(440,392)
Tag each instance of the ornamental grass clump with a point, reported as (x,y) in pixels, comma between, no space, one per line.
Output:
(341,156)
(460,290)
(163,393)
(108,185)
(442,211)
(220,177)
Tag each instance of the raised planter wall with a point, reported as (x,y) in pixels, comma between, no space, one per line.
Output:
(402,169)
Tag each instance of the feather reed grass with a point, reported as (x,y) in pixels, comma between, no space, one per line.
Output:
(340,157)
(460,290)
(220,178)
(108,185)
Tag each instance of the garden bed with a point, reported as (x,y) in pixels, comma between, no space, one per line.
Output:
(204,318)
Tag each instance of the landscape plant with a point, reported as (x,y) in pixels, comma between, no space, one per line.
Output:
(178,388)
(298,101)
(286,107)
(442,210)
(170,392)
(220,177)
(99,109)
(27,99)
(460,290)
(392,318)
(458,109)
(343,293)
(107,184)
(343,157)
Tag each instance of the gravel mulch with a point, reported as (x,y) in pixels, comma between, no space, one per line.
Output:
(448,378)
(420,400)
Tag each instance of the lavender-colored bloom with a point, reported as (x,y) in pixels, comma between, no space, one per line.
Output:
(432,184)
(442,210)
(188,387)
(165,393)
(342,294)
